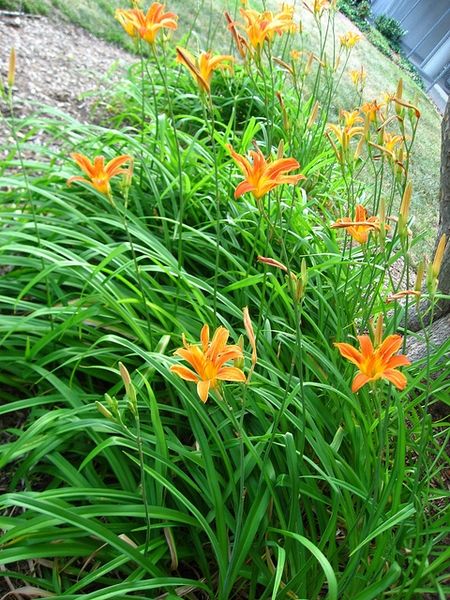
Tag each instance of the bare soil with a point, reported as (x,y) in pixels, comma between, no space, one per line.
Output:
(58,64)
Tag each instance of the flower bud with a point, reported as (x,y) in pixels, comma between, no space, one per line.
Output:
(12,68)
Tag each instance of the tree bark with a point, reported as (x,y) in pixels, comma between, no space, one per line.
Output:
(444,203)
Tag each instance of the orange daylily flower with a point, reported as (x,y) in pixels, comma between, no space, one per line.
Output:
(358,76)
(208,360)
(371,110)
(343,135)
(99,174)
(349,39)
(262,26)
(146,25)
(361,226)
(318,6)
(202,68)
(350,117)
(390,141)
(376,363)
(260,176)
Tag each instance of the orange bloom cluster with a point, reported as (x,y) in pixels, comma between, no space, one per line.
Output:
(146,25)
(319,6)
(261,27)
(360,227)
(260,176)
(99,174)
(202,68)
(208,361)
(376,363)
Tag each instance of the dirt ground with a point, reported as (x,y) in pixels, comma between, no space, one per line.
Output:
(58,64)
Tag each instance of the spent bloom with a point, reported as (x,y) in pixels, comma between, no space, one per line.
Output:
(146,25)
(208,361)
(99,174)
(260,176)
(376,363)
(360,227)
(239,40)
(202,68)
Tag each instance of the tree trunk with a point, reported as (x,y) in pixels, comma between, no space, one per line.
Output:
(444,203)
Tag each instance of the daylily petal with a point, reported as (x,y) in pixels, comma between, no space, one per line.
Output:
(203,390)
(204,337)
(230,374)
(83,179)
(281,165)
(396,377)
(399,361)
(360,213)
(349,353)
(194,356)
(359,380)
(84,163)
(184,373)
(365,345)
(231,353)
(390,346)
(112,168)
(242,188)
(218,343)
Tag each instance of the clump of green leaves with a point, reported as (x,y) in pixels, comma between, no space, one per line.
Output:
(391,29)
(358,11)
(287,485)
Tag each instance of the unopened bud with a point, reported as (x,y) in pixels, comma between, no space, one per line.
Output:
(420,274)
(129,388)
(12,68)
(378,334)
(435,267)
(439,256)
(113,406)
(404,211)
(250,334)
(103,410)
(313,115)
(280,150)
(239,362)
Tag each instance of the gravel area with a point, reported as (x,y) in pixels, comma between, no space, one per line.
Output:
(58,64)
